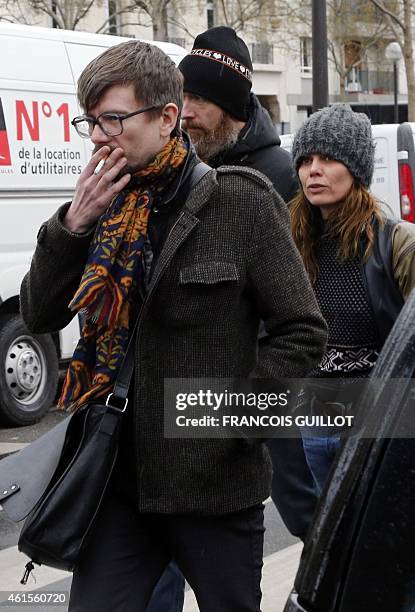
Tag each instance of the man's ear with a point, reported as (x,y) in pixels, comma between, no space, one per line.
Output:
(168,119)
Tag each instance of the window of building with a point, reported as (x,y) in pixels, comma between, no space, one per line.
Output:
(262,53)
(112,17)
(306,55)
(177,40)
(210,14)
(353,63)
(353,55)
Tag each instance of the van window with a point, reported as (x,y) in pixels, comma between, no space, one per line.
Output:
(81,55)
(27,58)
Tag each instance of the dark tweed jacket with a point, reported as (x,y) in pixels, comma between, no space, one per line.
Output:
(228,262)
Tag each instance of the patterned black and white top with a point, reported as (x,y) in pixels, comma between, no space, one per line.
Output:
(340,291)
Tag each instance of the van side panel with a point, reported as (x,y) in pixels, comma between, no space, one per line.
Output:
(26,60)
(45,151)
(385,182)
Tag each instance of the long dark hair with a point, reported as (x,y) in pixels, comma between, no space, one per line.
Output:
(350,222)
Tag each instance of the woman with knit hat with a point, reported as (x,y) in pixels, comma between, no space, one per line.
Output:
(361,264)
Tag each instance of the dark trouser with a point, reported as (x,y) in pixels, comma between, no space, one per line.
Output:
(295,495)
(293,488)
(221,558)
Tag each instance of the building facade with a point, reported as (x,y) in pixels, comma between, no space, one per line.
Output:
(278,35)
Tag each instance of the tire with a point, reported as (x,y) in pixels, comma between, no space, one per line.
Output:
(29,372)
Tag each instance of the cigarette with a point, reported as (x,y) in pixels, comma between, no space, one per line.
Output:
(100,165)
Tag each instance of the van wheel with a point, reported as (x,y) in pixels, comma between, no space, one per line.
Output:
(29,372)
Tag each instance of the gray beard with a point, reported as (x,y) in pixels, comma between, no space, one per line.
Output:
(210,144)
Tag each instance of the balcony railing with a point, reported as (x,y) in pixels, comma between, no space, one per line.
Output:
(370,81)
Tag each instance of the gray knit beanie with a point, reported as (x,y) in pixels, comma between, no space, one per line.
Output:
(341,134)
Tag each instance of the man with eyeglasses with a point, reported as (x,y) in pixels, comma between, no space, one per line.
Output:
(110,123)
(149,236)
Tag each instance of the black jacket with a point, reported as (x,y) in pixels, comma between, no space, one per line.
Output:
(380,284)
(258,147)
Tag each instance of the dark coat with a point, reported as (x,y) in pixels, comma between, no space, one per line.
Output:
(218,274)
(258,147)
(382,290)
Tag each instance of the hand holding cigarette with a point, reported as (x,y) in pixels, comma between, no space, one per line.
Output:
(100,165)
(97,185)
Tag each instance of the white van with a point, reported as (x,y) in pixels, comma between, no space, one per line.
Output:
(41,157)
(393,178)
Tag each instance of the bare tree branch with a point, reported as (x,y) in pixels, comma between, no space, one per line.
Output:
(83,12)
(125,10)
(68,14)
(385,11)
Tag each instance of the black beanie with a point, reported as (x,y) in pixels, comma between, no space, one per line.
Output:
(219,68)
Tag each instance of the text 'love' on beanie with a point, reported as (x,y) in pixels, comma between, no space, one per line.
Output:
(219,68)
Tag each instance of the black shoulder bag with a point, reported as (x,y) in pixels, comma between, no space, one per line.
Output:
(56,530)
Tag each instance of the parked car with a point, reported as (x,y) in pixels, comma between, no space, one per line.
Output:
(394,176)
(360,553)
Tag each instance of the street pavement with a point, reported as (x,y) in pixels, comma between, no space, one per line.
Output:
(281,550)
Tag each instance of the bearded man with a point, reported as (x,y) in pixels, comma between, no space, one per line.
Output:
(224,119)
(228,126)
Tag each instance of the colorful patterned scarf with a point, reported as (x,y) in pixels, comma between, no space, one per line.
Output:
(113,274)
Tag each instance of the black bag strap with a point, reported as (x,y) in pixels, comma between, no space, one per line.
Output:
(119,396)
(198,172)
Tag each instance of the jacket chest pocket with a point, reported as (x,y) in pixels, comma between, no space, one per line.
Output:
(206,292)
(209,273)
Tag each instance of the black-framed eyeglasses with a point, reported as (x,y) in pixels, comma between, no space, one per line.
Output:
(110,123)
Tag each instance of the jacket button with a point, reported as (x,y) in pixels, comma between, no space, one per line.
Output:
(155,209)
